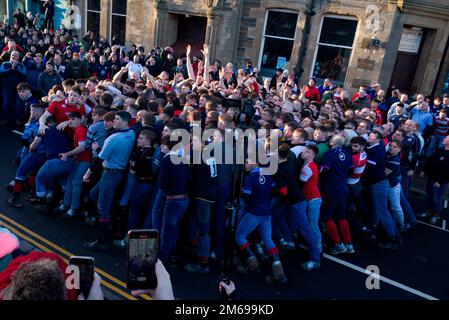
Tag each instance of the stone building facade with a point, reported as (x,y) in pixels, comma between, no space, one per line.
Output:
(401,43)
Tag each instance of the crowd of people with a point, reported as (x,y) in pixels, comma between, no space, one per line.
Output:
(98,119)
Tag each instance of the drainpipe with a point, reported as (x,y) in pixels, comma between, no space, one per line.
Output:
(309,12)
(440,68)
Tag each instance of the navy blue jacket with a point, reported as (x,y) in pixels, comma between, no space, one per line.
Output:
(375,167)
(394,164)
(256,192)
(336,167)
(173,178)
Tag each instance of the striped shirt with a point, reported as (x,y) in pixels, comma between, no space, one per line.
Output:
(359,161)
(441,126)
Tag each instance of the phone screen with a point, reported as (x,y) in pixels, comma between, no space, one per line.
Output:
(86,268)
(143,248)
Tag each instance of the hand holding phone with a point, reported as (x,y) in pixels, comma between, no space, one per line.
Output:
(142,255)
(86,267)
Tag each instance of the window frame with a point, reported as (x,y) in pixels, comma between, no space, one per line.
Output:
(318,43)
(264,35)
(86,12)
(111,14)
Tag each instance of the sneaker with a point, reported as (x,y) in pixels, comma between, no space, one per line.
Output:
(423,215)
(10,187)
(278,273)
(49,197)
(33,199)
(338,249)
(390,246)
(90,221)
(253,264)
(434,220)
(349,248)
(70,214)
(96,245)
(200,268)
(310,265)
(288,245)
(14,202)
(120,243)
(61,209)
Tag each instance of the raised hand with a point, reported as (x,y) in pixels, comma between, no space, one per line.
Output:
(205,50)
(188,50)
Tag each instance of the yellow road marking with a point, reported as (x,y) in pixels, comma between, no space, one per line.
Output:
(67,253)
(43,248)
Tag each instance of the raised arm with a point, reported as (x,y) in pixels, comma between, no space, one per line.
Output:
(189,64)
(205,52)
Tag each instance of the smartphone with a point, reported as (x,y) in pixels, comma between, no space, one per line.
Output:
(86,266)
(142,254)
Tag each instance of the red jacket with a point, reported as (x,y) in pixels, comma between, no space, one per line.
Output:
(5,275)
(313,94)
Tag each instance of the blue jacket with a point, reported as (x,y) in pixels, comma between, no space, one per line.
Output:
(256,192)
(336,167)
(173,178)
(375,167)
(12,77)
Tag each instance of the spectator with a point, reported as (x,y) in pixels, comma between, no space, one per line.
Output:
(12,73)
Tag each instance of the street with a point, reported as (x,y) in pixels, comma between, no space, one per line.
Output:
(417,271)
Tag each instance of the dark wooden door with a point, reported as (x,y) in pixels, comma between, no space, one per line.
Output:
(404,71)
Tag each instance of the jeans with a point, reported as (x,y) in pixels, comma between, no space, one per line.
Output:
(299,215)
(174,209)
(313,214)
(30,164)
(249,223)
(158,210)
(436,141)
(74,186)
(104,191)
(52,169)
(409,214)
(142,199)
(223,196)
(405,181)
(280,226)
(202,220)
(434,196)
(128,191)
(394,199)
(356,199)
(379,195)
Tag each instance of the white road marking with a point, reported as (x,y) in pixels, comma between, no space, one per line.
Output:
(380,277)
(431,225)
(445,204)
(444,225)
(18,132)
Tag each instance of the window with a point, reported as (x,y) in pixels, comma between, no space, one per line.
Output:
(118,19)
(277,42)
(334,49)
(92,19)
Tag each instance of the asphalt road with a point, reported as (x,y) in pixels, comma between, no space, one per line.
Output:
(418,271)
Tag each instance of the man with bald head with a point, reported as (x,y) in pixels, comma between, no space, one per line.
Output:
(12,73)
